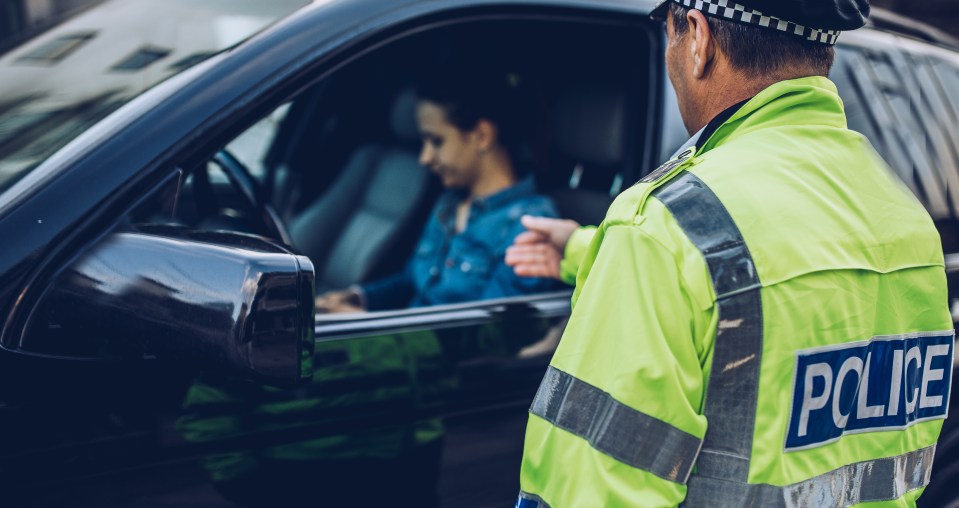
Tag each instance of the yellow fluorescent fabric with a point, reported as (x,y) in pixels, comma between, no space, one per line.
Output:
(575,252)
(843,251)
(632,350)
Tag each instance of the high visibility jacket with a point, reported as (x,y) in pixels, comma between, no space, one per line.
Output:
(761,322)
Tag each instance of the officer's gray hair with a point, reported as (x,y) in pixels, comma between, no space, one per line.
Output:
(761,51)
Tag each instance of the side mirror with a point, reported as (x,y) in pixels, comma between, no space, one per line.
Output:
(220,300)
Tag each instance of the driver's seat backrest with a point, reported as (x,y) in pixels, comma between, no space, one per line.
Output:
(588,128)
(349,230)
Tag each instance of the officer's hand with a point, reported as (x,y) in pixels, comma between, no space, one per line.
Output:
(537,252)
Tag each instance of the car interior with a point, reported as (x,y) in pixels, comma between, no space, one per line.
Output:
(337,165)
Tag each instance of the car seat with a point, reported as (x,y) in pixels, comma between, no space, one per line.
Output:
(365,214)
(587,131)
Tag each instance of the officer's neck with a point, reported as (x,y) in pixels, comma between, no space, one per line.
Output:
(722,88)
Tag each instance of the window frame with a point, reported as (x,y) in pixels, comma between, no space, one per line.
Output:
(635,164)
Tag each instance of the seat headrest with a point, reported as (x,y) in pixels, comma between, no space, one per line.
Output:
(403,116)
(589,122)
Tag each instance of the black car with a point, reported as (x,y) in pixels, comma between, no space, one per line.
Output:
(163,244)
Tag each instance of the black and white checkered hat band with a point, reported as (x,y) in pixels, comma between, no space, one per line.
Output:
(729,9)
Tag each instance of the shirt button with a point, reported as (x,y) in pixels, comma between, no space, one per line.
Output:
(466,266)
(434,271)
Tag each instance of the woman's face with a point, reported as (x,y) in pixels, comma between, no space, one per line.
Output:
(449,152)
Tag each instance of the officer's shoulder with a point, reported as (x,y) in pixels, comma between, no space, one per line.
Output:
(632,206)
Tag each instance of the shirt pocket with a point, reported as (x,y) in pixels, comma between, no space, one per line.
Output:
(472,265)
(467,273)
(426,248)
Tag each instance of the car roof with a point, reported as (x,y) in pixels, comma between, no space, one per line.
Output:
(272,55)
(889,21)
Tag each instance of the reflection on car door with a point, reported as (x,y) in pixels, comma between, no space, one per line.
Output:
(395,399)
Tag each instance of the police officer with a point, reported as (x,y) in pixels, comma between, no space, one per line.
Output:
(760,322)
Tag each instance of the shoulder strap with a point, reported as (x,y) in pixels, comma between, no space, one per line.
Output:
(732,392)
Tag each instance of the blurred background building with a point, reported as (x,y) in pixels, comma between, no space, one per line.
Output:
(68,63)
(20,18)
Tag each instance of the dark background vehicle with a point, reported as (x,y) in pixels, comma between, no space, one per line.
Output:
(935,13)
(303,135)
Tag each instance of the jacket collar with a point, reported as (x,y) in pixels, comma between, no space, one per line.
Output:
(522,188)
(804,101)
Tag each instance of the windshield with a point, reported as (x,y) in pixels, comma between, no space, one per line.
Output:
(62,81)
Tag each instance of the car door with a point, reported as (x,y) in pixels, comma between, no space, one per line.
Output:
(429,404)
(425,405)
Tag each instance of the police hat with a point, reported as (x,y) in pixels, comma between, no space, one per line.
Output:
(816,20)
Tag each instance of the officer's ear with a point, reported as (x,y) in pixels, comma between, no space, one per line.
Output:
(702,46)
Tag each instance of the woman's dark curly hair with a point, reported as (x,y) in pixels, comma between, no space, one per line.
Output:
(470,93)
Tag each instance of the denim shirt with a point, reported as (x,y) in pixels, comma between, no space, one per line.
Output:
(450,268)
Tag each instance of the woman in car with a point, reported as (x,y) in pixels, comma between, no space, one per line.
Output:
(471,126)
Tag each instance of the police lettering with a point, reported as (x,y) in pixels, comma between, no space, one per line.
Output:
(882,384)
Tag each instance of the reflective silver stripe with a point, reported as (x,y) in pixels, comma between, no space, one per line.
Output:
(863,482)
(527,500)
(732,394)
(733,390)
(614,428)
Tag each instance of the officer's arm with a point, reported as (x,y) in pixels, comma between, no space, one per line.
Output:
(575,252)
(617,420)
